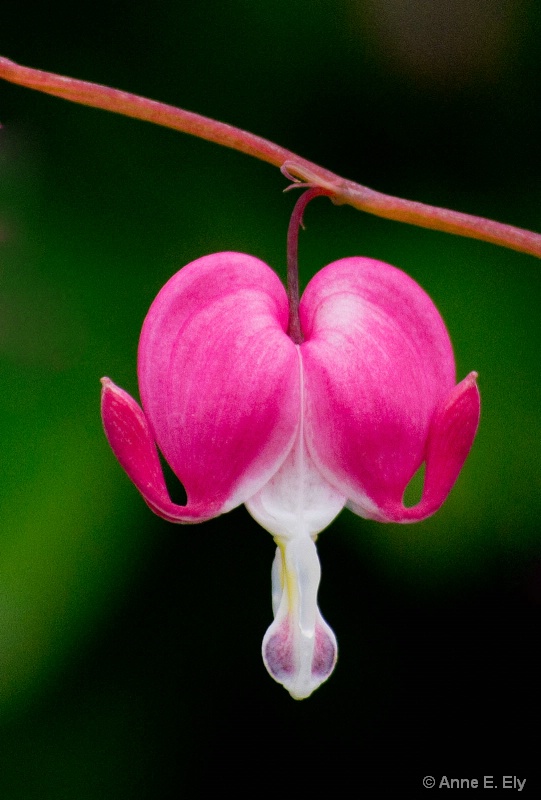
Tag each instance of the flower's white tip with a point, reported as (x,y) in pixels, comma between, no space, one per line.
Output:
(299,648)
(299,661)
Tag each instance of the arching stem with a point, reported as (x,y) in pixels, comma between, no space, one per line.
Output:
(294,327)
(342,190)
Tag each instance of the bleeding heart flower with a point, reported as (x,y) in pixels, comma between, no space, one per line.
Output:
(294,429)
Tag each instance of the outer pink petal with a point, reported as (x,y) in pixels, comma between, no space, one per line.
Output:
(219,377)
(450,439)
(127,431)
(378,364)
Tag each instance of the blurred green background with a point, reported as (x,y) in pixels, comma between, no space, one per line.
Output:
(130,648)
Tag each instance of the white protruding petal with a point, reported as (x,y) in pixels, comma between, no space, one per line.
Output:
(297,500)
(299,648)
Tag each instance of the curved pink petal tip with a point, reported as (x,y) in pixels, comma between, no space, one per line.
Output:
(450,438)
(128,434)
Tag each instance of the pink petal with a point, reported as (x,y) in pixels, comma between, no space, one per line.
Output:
(219,377)
(378,363)
(450,439)
(127,431)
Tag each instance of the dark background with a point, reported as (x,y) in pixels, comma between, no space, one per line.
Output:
(129,648)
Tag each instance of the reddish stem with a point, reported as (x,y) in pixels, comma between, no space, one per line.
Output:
(294,326)
(342,191)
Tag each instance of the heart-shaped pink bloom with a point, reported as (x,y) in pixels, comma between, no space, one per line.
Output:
(295,431)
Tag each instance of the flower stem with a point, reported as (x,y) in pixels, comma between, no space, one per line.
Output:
(294,326)
(341,190)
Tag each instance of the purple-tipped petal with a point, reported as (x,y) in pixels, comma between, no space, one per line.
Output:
(299,649)
(300,663)
(219,377)
(378,363)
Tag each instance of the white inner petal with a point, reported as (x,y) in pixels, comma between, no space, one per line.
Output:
(297,500)
(299,648)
